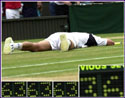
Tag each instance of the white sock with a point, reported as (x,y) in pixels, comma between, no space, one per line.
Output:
(17,45)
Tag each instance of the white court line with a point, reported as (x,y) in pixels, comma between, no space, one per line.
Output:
(46,72)
(61,62)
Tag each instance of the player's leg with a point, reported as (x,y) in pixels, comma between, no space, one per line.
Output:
(35,47)
(10,46)
(71,45)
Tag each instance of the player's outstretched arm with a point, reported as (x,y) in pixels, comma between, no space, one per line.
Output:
(110,42)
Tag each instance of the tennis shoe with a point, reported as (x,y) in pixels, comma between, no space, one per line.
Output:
(8,46)
(64,45)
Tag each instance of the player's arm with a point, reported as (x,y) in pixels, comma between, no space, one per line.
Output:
(110,42)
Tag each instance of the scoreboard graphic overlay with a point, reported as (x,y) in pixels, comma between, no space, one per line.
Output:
(39,89)
(94,81)
(101,80)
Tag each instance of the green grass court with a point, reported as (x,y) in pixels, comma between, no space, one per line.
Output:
(57,65)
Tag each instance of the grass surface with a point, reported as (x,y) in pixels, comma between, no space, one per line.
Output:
(57,65)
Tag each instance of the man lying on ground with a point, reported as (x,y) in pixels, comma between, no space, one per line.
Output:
(63,41)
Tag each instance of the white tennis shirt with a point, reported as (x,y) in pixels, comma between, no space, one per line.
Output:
(79,39)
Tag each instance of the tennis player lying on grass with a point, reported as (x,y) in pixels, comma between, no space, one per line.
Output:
(63,41)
